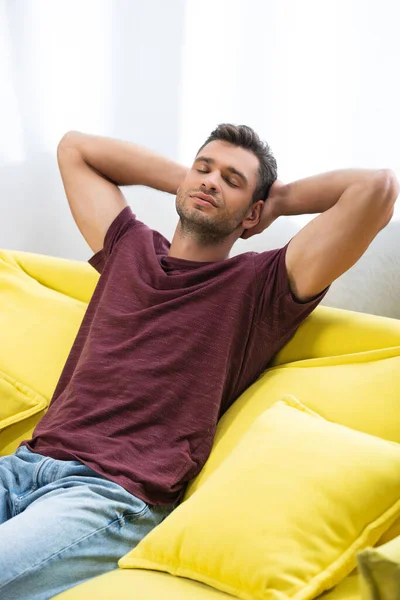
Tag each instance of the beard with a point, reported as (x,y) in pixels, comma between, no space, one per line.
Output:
(208,227)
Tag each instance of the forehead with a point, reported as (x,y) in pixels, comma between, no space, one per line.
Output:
(227,155)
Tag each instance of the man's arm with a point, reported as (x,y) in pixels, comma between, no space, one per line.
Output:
(92,167)
(355,205)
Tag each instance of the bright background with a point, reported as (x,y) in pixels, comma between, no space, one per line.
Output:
(317,79)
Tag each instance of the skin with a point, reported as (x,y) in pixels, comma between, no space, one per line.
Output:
(206,233)
(353,205)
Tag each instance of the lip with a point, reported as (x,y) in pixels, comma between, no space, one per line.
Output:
(205,198)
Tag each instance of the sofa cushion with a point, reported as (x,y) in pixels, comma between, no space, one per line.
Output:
(18,401)
(152,585)
(380,571)
(285,514)
(333,332)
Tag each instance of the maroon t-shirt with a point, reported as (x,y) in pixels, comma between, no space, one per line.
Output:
(165,347)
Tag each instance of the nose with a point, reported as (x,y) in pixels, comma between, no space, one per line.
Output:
(210,182)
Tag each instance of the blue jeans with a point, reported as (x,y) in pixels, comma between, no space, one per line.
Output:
(61,524)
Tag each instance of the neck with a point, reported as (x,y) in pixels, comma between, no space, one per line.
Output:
(186,247)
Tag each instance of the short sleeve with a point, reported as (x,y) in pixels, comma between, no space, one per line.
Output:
(276,302)
(124,221)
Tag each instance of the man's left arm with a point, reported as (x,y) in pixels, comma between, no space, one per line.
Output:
(355,205)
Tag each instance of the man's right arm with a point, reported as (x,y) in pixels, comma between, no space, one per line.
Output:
(92,167)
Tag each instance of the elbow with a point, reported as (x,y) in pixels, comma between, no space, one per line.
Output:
(68,140)
(68,148)
(386,185)
(386,191)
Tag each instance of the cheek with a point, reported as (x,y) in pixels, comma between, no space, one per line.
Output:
(182,193)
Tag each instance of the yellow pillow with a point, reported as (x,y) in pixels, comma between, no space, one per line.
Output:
(379,571)
(43,300)
(285,514)
(360,391)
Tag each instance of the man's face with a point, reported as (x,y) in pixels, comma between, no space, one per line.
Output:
(226,173)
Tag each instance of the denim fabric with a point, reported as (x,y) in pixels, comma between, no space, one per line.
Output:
(61,524)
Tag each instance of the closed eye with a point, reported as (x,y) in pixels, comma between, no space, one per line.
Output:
(227,180)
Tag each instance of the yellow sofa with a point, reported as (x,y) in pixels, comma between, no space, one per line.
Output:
(341,364)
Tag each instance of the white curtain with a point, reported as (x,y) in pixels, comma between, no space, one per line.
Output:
(317,80)
(99,66)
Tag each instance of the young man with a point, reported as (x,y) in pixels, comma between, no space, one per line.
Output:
(173,334)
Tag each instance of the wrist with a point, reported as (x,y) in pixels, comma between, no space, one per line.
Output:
(278,199)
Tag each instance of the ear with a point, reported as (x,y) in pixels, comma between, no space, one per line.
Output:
(258,207)
(268,216)
(255,216)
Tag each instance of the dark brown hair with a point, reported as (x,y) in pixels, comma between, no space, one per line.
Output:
(245,137)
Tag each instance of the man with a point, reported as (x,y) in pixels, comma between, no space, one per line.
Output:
(173,334)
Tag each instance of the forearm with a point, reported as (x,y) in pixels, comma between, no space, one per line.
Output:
(126,163)
(318,193)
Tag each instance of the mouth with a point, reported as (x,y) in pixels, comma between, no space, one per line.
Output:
(204,199)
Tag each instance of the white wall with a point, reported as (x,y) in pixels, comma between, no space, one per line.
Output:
(100,66)
(317,80)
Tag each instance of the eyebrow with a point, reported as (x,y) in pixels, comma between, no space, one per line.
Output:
(211,161)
